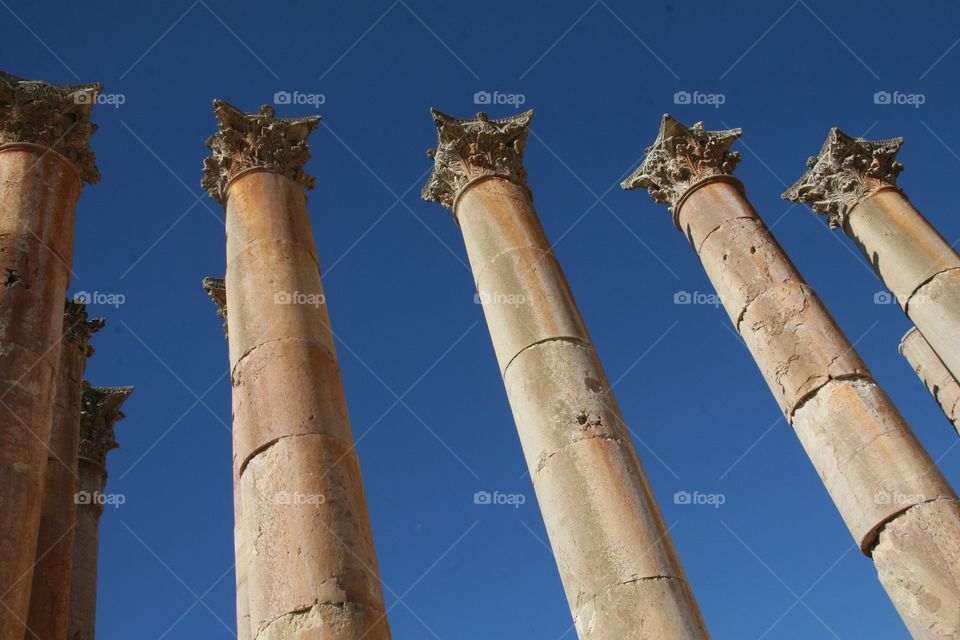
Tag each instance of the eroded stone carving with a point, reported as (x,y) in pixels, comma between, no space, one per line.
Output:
(256,141)
(682,156)
(52,115)
(77,328)
(216,288)
(468,149)
(846,171)
(99,412)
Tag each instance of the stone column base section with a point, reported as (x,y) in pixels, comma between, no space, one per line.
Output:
(44,160)
(306,565)
(942,386)
(621,573)
(853,182)
(875,470)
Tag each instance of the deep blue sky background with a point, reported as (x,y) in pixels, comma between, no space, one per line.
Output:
(774,561)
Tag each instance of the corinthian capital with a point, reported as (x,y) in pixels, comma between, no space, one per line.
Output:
(77,328)
(469,149)
(99,412)
(56,116)
(846,171)
(682,156)
(256,141)
(217,290)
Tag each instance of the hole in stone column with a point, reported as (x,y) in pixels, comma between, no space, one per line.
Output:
(13,277)
(753,249)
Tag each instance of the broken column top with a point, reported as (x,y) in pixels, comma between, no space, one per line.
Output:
(216,288)
(682,157)
(846,171)
(77,328)
(260,140)
(99,412)
(56,116)
(468,149)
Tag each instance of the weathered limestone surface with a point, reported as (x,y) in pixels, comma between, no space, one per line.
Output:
(853,181)
(877,473)
(928,366)
(621,573)
(100,411)
(306,565)
(44,160)
(50,596)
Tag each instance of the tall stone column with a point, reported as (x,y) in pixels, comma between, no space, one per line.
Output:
(99,414)
(50,596)
(44,161)
(891,495)
(621,573)
(217,290)
(853,182)
(929,367)
(311,569)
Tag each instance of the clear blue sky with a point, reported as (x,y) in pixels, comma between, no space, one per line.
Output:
(773,561)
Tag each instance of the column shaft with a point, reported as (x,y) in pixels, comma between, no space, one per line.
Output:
(938,380)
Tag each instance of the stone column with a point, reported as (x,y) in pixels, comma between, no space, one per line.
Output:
(891,495)
(621,573)
(100,413)
(929,367)
(50,596)
(217,290)
(44,161)
(311,569)
(853,182)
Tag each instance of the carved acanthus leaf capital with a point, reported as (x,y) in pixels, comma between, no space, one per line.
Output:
(77,328)
(56,116)
(216,288)
(846,171)
(256,141)
(469,149)
(682,156)
(99,412)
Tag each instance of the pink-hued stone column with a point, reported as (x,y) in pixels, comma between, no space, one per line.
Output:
(44,161)
(929,368)
(853,182)
(216,288)
(50,596)
(305,552)
(100,413)
(620,570)
(897,505)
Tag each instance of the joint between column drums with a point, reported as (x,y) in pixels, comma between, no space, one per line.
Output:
(570,339)
(477,180)
(846,377)
(13,146)
(906,305)
(872,539)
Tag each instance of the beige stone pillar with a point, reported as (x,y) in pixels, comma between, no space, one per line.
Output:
(853,182)
(889,492)
(217,290)
(929,367)
(44,161)
(311,570)
(50,596)
(621,573)
(100,413)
